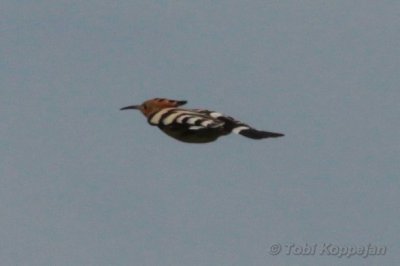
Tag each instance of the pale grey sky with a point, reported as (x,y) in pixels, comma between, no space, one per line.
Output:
(85,184)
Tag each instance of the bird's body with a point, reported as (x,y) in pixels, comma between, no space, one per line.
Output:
(194,125)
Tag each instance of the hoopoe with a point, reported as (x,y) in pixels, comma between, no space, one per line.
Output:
(194,125)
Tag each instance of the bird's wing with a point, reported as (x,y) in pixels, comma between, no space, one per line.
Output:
(189,119)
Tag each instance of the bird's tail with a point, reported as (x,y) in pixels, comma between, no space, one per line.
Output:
(255,134)
(235,126)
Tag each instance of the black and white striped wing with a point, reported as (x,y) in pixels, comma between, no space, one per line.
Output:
(191,120)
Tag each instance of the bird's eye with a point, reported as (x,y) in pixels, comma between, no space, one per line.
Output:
(145,107)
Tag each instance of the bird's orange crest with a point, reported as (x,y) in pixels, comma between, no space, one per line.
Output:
(151,106)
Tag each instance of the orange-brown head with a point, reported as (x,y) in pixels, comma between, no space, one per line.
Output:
(151,106)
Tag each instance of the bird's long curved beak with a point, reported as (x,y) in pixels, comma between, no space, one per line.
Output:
(130,107)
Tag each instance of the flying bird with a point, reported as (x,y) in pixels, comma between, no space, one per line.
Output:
(194,125)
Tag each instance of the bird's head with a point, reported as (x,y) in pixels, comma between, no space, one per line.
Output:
(151,106)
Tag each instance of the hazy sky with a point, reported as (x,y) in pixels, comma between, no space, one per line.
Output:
(85,184)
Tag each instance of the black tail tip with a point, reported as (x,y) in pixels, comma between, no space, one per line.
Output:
(275,135)
(179,103)
(256,134)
